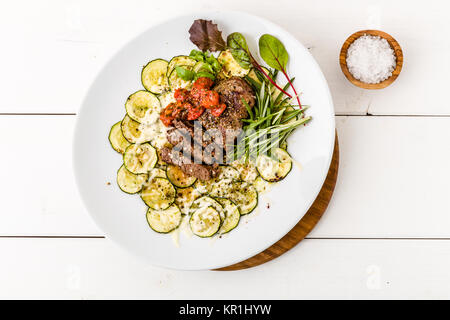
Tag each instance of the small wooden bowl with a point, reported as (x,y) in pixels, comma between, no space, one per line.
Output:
(394,45)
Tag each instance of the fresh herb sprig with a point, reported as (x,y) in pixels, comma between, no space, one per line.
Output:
(271,121)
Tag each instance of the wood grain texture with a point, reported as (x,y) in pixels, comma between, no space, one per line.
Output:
(320,269)
(303,227)
(61,31)
(394,45)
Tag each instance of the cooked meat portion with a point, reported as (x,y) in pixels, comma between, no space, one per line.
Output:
(192,142)
(232,91)
(198,152)
(172,157)
(228,127)
(187,128)
(191,150)
(185,125)
(201,171)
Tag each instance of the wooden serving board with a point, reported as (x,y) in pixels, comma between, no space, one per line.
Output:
(303,227)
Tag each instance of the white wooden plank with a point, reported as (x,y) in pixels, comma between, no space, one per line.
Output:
(57,47)
(393,178)
(421,29)
(345,269)
(38,189)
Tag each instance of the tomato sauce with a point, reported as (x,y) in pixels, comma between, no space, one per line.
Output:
(194,102)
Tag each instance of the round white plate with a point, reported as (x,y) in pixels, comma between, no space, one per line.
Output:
(122,216)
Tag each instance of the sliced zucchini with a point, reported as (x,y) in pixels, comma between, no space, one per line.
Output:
(156,173)
(136,132)
(140,158)
(180,61)
(273,170)
(116,138)
(165,98)
(230,68)
(185,197)
(198,66)
(233,215)
(161,163)
(158,135)
(203,187)
(143,107)
(245,196)
(206,201)
(247,170)
(261,185)
(205,222)
(228,172)
(178,177)
(164,221)
(176,82)
(129,182)
(220,186)
(158,193)
(154,76)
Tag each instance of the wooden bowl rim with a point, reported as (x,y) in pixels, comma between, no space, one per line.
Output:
(394,45)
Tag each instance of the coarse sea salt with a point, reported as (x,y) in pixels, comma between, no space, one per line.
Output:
(371,59)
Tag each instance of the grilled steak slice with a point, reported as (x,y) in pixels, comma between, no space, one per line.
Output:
(183,138)
(228,127)
(184,144)
(187,129)
(200,171)
(232,91)
(198,135)
(184,126)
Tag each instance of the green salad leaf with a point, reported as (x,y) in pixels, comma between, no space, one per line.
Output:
(197,55)
(273,52)
(239,50)
(209,65)
(201,74)
(214,63)
(185,74)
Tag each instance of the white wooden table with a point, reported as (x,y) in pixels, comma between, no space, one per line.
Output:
(386,233)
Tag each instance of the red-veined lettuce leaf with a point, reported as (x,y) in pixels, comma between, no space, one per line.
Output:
(206,36)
